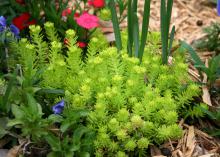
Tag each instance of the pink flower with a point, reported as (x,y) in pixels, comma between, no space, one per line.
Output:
(88,21)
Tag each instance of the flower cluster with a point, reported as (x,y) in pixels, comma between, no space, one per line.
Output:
(12,28)
(84,20)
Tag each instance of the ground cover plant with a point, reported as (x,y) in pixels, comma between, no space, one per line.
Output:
(117,101)
(127,106)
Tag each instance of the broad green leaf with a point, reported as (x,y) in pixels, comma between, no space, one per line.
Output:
(3,126)
(17,112)
(78,133)
(65,125)
(14,122)
(54,142)
(55,118)
(84,154)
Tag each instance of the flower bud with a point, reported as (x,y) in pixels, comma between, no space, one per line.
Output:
(70,33)
(56,45)
(121,134)
(128,127)
(35,29)
(117,78)
(130,145)
(49,25)
(130,83)
(94,40)
(113,124)
(143,143)
(121,154)
(105,14)
(97,60)
(23,40)
(30,46)
(122,115)
(136,121)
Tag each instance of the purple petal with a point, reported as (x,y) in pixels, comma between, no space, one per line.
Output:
(14,30)
(2,21)
(218,7)
(58,108)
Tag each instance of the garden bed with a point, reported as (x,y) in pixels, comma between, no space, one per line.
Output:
(68,91)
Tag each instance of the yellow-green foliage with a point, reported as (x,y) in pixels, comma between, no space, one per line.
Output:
(131,105)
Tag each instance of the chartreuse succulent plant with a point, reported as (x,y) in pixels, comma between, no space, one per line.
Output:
(131,104)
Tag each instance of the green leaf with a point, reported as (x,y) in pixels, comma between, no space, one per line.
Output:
(78,133)
(55,118)
(53,154)
(115,25)
(84,154)
(3,126)
(130,28)
(171,40)
(33,105)
(136,34)
(65,125)
(52,91)
(14,122)
(54,142)
(17,112)
(193,54)
(145,26)
(6,106)
(164,33)
(169,13)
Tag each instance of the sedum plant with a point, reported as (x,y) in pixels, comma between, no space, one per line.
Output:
(131,105)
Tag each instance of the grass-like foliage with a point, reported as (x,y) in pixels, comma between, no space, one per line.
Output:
(130,105)
(211,41)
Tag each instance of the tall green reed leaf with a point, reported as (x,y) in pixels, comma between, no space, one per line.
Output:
(115,24)
(133,27)
(165,17)
(136,34)
(145,26)
(130,29)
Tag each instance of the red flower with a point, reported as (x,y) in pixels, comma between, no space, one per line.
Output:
(23,21)
(97,3)
(76,15)
(81,44)
(20,2)
(66,12)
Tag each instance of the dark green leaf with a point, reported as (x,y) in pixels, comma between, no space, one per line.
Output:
(145,26)
(115,25)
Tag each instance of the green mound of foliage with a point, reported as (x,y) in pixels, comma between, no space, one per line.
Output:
(128,105)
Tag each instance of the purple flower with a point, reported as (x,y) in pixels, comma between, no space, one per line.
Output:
(218,7)
(58,108)
(14,30)
(2,23)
